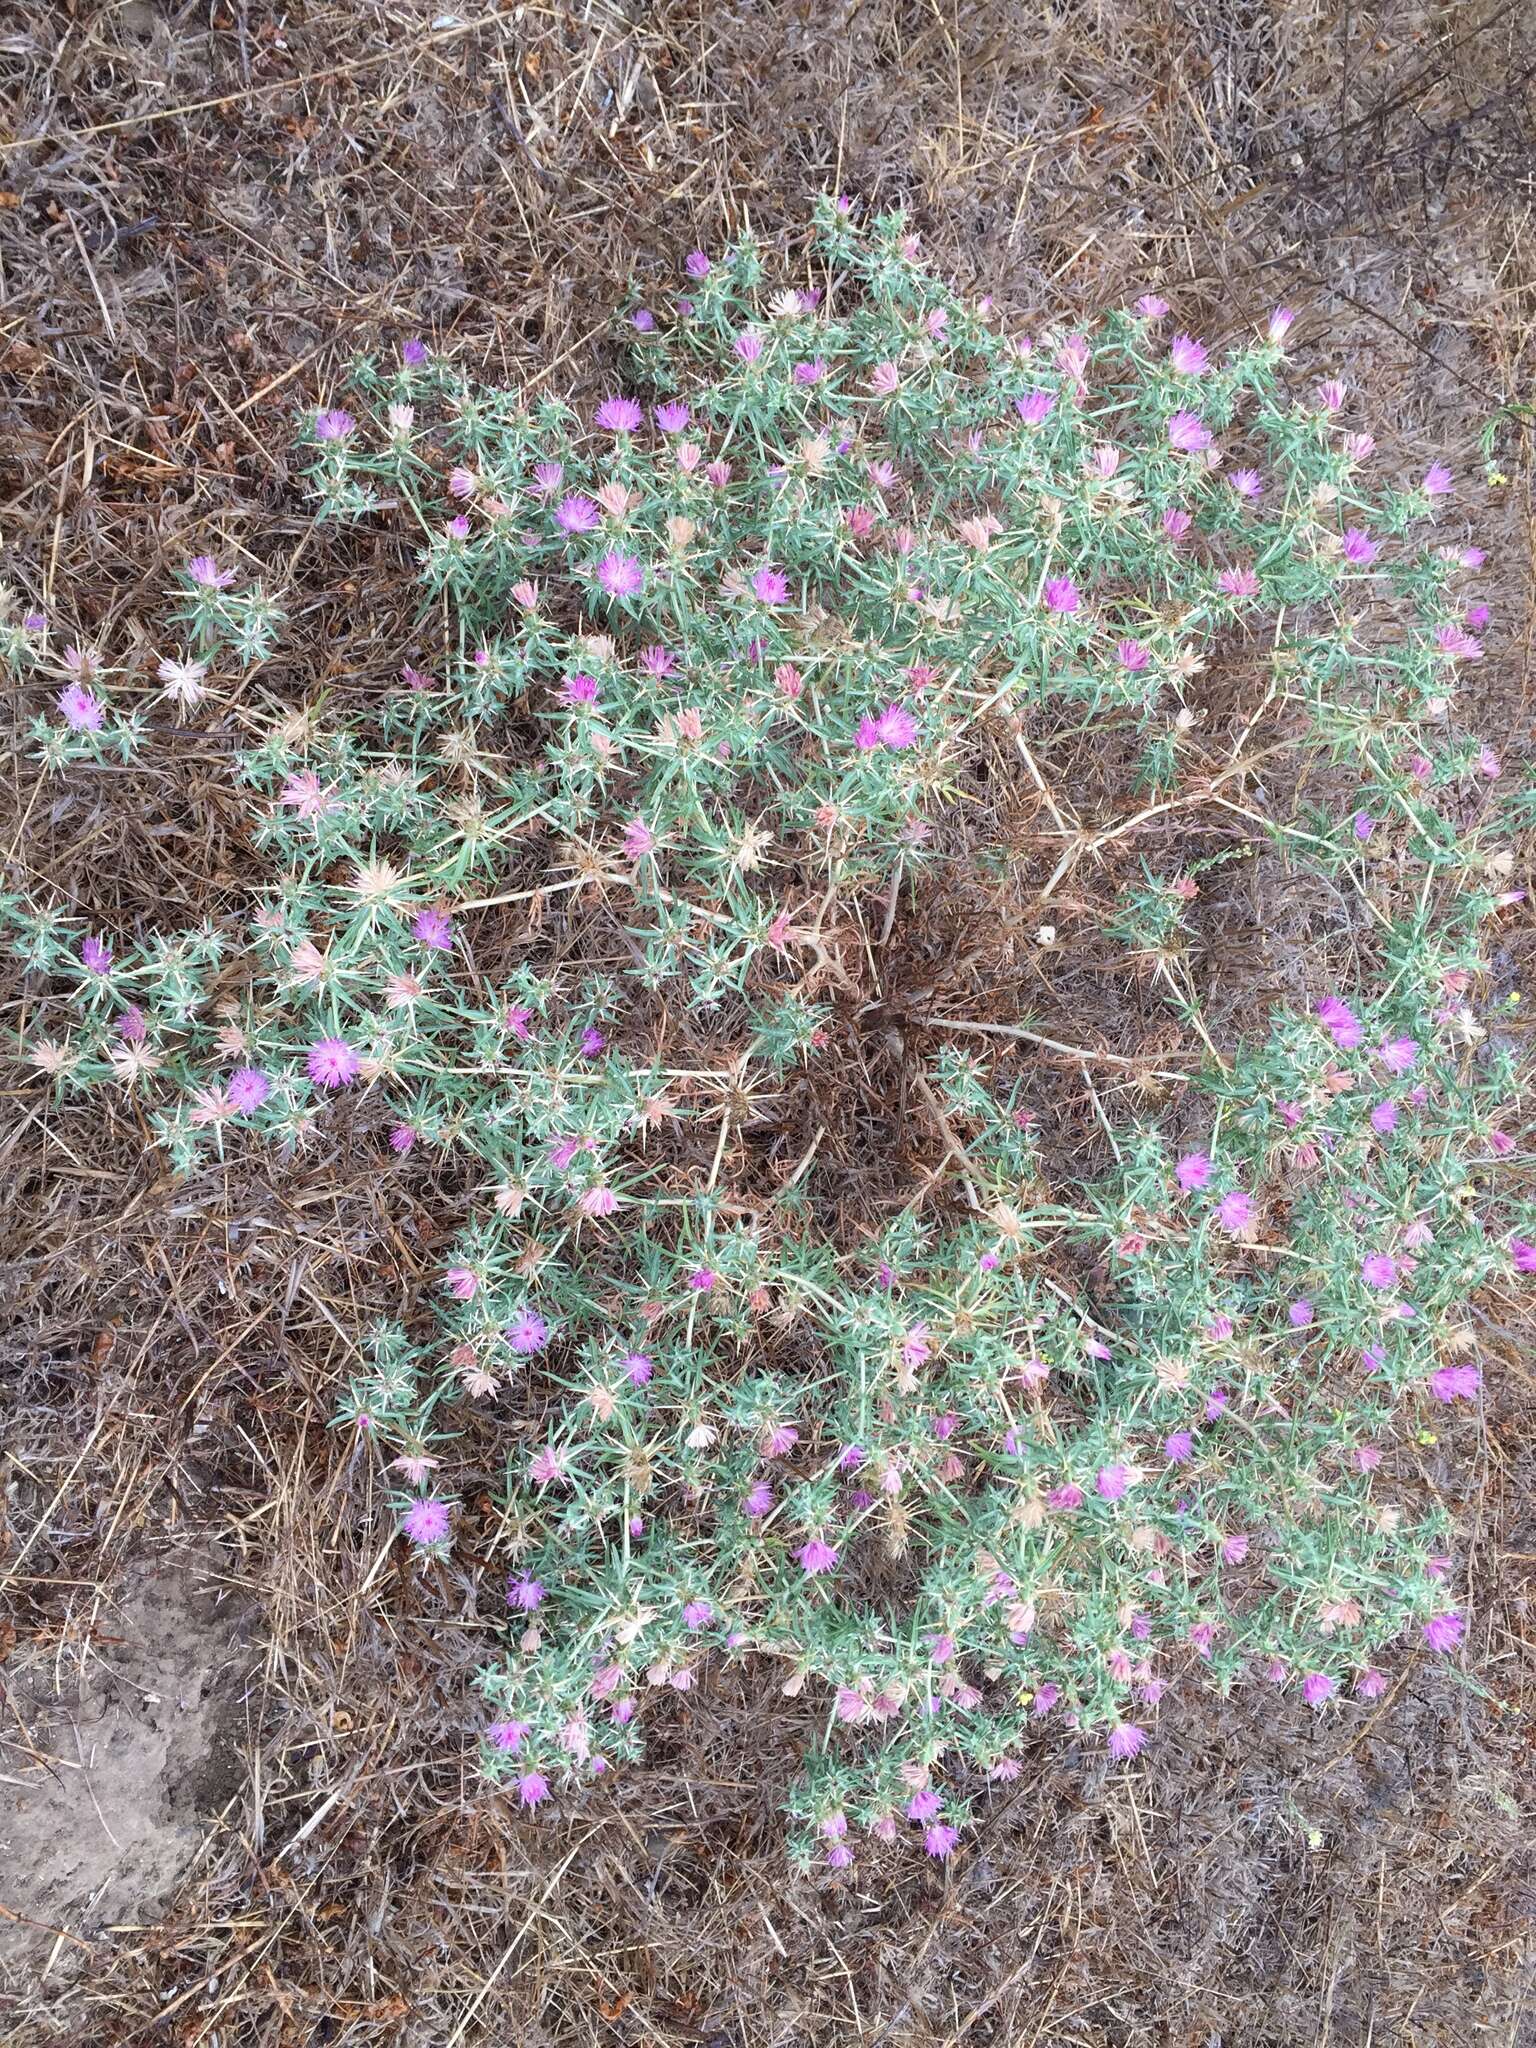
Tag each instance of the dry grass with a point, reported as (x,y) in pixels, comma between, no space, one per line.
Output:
(201,209)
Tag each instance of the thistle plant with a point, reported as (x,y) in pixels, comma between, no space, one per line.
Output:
(711,674)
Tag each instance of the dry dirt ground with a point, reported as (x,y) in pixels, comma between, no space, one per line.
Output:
(237,1803)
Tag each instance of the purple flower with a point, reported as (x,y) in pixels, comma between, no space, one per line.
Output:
(697,1613)
(1235,1212)
(701,1280)
(1364,825)
(402,1138)
(816,1557)
(643,322)
(1061,594)
(532,1786)
(248,1089)
(1384,1119)
(332,1063)
(527,1332)
(524,1593)
(577,514)
(1437,481)
(619,416)
(592,1042)
(426,1520)
(1193,1171)
(1132,655)
(96,956)
(334,425)
(672,417)
(1178,1447)
(413,353)
(1378,1269)
(1187,355)
(770,586)
(924,1805)
(81,708)
(809,373)
(1126,1740)
(758,1499)
(1034,407)
(1523,1255)
(1246,482)
(621,575)
(940,1839)
(1358,547)
(1442,1632)
(434,929)
(1150,306)
(204,570)
(1188,433)
(1317,1687)
(697,264)
(1300,1313)
(1341,1023)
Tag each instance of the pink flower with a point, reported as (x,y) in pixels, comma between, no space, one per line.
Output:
(1335,1015)
(1235,1549)
(1187,355)
(81,708)
(1300,1313)
(506,1735)
(1370,1685)
(426,1520)
(816,1557)
(1455,1383)
(770,586)
(621,575)
(1112,1482)
(1035,406)
(1178,1447)
(95,956)
(527,1332)
(413,353)
(1126,1740)
(639,839)
(1188,433)
(1437,481)
(1330,394)
(701,1279)
(1442,1632)
(1384,1119)
(248,1089)
(924,1805)
(1176,523)
(579,689)
(1241,582)
(1364,825)
(598,1201)
(1246,482)
(1063,1499)
(1317,1687)
(1358,547)
(779,1439)
(461,1283)
(204,570)
(940,1839)
(1061,594)
(884,380)
(401,1138)
(1523,1254)
(332,1063)
(546,1466)
(1279,325)
(1378,1269)
(1193,1171)
(532,1786)
(1235,1212)
(618,416)
(1132,655)
(757,1500)
(1150,307)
